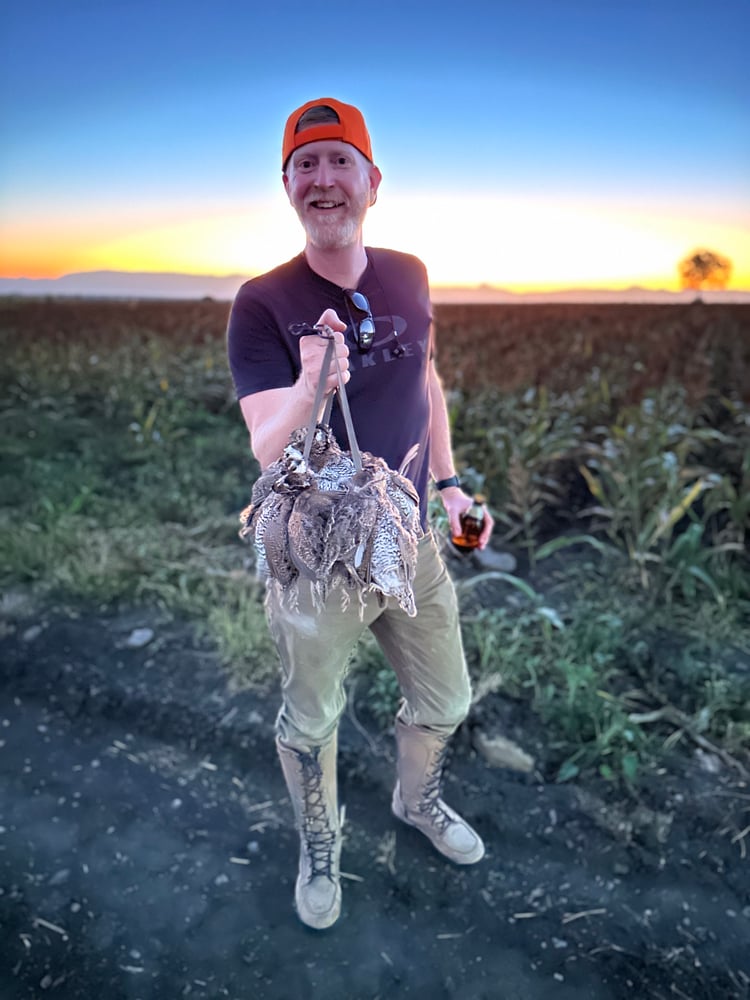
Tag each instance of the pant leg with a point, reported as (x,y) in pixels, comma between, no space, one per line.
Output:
(426,652)
(314,647)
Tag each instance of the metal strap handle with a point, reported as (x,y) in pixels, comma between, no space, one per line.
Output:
(326,331)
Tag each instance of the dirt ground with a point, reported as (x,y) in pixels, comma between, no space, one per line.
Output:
(147,849)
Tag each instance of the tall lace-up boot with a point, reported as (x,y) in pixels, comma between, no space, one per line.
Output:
(416,797)
(311,780)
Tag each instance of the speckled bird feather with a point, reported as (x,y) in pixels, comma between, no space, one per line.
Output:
(325,522)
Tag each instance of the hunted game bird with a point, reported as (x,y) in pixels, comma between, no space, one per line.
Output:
(323,520)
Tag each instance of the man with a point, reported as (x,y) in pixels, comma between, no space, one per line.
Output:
(377,303)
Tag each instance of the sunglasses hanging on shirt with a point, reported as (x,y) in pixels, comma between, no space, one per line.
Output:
(363,325)
(360,317)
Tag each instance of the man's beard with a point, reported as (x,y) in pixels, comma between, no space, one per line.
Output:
(335,233)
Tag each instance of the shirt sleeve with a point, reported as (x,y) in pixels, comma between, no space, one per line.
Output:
(259,357)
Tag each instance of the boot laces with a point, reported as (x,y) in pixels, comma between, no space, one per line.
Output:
(431,805)
(318,833)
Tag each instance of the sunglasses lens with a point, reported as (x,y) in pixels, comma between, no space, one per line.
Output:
(366,333)
(359,301)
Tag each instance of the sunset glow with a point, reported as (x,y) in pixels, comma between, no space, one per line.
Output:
(463,241)
(564,164)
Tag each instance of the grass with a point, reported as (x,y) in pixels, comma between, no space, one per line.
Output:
(609,677)
(125,465)
(627,628)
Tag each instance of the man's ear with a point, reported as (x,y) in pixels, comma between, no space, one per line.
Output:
(375,178)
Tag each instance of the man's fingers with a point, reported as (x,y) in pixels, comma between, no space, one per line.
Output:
(331,318)
(312,356)
(487,527)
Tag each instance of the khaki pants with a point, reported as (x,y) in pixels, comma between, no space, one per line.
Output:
(425,652)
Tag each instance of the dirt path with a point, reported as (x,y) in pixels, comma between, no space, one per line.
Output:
(146,853)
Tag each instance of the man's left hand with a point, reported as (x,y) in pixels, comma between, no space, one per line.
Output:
(456,503)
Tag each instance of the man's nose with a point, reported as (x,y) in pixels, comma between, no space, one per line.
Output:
(324,175)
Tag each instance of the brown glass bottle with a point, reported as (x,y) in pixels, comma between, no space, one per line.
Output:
(472,522)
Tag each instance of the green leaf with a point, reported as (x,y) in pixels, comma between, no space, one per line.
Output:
(568,770)
(514,581)
(552,617)
(556,544)
(630,766)
(702,575)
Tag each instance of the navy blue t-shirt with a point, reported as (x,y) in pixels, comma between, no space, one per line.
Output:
(388,395)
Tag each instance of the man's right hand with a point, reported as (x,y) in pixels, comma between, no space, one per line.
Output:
(312,351)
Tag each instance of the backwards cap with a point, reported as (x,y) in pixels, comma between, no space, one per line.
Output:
(350,128)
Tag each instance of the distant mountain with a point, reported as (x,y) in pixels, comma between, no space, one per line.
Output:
(128,285)
(149,285)
(495,296)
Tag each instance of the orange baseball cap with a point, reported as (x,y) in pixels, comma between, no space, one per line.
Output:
(350,128)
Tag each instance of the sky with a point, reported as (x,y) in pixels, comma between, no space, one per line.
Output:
(529,146)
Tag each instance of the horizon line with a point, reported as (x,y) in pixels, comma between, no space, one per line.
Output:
(480,287)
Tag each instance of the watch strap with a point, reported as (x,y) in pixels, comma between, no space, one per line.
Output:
(443,484)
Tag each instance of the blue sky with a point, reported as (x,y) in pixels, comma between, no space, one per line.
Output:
(146,136)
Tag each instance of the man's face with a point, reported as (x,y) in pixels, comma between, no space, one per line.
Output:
(330,186)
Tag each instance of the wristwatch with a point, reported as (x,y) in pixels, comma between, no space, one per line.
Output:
(443,484)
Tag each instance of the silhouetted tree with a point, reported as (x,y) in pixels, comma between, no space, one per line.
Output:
(705,269)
